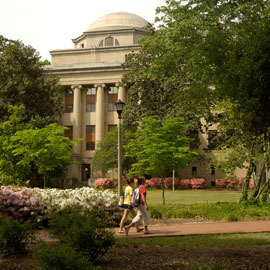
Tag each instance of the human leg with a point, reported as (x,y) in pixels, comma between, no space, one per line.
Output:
(124,217)
(135,220)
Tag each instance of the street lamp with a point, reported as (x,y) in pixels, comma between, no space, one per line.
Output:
(119,105)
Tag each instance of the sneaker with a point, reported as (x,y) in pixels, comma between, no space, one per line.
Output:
(148,232)
(126,230)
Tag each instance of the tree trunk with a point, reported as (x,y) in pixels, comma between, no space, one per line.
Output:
(249,172)
(163,190)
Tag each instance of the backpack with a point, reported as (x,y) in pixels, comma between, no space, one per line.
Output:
(136,197)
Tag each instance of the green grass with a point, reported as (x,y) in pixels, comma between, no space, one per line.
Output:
(201,241)
(210,204)
(154,197)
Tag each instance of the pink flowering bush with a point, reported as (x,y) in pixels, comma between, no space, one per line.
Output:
(185,184)
(221,183)
(197,183)
(103,183)
(154,182)
(20,203)
(169,182)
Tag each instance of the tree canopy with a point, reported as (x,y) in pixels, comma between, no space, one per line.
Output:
(24,150)
(22,81)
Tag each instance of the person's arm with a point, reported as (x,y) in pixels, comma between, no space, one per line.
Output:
(144,201)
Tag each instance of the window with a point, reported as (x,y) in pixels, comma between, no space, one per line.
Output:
(69,132)
(101,43)
(82,45)
(91,107)
(111,127)
(69,108)
(91,99)
(90,137)
(113,90)
(111,107)
(109,41)
(91,91)
(194,171)
(69,93)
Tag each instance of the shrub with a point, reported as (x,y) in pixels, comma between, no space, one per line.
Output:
(185,183)
(59,257)
(14,236)
(85,232)
(20,203)
(154,182)
(169,182)
(103,183)
(197,183)
(221,183)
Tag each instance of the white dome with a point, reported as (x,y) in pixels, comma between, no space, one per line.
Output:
(117,20)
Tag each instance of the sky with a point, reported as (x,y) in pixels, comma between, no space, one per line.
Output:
(51,24)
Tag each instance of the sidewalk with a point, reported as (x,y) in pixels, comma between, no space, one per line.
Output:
(200,228)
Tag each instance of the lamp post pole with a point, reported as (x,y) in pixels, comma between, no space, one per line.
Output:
(119,104)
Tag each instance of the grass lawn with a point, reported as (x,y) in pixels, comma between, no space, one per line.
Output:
(188,197)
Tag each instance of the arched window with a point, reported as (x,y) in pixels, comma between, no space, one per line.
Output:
(109,41)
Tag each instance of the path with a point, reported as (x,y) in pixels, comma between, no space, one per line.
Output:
(200,228)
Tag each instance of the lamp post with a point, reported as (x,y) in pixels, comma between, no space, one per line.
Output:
(119,105)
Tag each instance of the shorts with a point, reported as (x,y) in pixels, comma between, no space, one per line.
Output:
(127,206)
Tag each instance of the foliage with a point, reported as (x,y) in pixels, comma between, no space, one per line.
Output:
(38,204)
(159,147)
(59,257)
(14,236)
(85,232)
(22,81)
(106,155)
(24,150)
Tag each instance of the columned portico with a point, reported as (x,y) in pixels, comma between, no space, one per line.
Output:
(100,112)
(77,117)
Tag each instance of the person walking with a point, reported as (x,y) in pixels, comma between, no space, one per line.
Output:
(128,207)
(142,209)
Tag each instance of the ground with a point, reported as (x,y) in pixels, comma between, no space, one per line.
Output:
(164,258)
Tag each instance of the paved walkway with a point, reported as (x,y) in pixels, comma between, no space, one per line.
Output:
(200,228)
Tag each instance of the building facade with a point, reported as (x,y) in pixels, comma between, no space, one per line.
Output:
(91,73)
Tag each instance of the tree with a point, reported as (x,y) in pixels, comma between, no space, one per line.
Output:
(160,147)
(24,150)
(218,52)
(22,81)
(106,155)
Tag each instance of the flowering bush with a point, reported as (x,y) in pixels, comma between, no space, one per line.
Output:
(198,183)
(103,183)
(48,201)
(154,182)
(221,183)
(185,183)
(169,182)
(21,203)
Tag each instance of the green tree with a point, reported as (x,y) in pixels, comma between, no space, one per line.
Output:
(23,81)
(24,150)
(106,155)
(160,147)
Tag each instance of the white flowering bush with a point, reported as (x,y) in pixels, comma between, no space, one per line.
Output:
(41,203)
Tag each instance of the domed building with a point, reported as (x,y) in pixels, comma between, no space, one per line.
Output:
(91,72)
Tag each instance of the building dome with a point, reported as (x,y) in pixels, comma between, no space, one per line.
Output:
(117,20)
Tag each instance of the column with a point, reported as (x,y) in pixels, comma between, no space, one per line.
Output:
(77,117)
(121,93)
(100,112)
